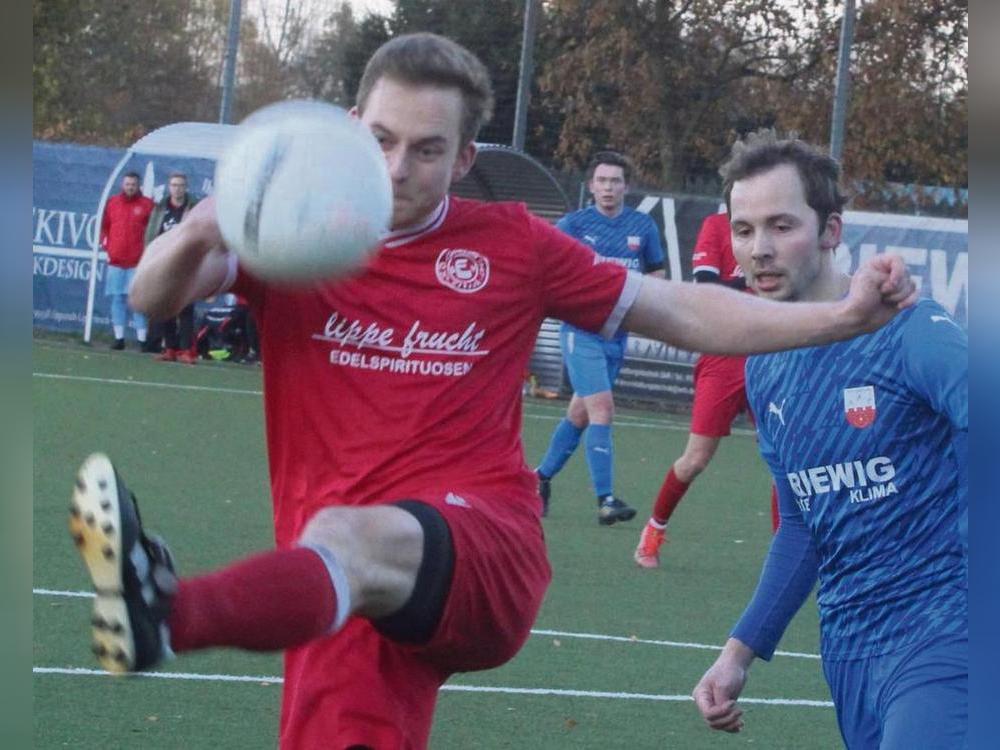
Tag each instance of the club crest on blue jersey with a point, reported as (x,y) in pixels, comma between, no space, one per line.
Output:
(634,242)
(465,271)
(859,406)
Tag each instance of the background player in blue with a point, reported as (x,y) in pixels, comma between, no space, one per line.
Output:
(867,442)
(622,235)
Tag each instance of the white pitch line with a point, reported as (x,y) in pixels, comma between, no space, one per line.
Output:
(195,676)
(560,692)
(53,592)
(540,632)
(146,384)
(652,642)
(620,422)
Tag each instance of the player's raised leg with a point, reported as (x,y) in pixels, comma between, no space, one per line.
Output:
(349,560)
(132,573)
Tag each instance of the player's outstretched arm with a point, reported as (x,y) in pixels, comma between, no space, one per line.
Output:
(180,266)
(712,319)
(716,692)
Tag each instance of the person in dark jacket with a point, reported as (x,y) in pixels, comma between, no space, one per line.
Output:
(176,333)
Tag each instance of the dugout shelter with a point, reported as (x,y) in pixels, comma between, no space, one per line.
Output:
(500,173)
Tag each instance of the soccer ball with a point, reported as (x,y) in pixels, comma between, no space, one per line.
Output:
(303,192)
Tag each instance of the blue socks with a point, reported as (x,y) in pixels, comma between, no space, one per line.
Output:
(564,440)
(600,453)
(600,456)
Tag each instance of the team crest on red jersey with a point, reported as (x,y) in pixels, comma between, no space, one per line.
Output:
(859,406)
(465,271)
(634,242)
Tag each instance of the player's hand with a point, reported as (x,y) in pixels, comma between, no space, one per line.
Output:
(879,289)
(716,693)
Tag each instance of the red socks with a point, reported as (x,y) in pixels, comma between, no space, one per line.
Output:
(673,490)
(669,497)
(267,602)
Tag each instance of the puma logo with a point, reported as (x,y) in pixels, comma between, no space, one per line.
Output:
(773,408)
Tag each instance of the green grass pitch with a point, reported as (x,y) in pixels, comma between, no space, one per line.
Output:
(615,652)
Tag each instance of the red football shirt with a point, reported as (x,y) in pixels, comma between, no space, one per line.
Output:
(407,379)
(713,250)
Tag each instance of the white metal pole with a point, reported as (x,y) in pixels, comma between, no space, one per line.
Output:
(96,247)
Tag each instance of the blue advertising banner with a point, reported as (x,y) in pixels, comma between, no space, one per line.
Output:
(936,252)
(67,184)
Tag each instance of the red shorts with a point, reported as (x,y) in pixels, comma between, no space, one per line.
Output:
(719,394)
(357,687)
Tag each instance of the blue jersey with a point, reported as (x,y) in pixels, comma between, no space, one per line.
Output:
(867,443)
(631,239)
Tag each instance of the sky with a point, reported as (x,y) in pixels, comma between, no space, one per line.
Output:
(361,7)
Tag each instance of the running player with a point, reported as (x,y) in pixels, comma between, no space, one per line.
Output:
(867,443)
(719,394)
(618,234)
(408,539)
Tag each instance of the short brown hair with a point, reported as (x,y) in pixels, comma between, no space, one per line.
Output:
(430,59)
(762,150)
(612,158)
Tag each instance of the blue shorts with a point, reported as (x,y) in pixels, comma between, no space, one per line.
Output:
(912,698)
(117,280)
(593,361)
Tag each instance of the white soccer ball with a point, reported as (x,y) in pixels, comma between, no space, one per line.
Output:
(303,192)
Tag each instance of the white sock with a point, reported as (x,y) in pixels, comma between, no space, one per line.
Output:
(119,332)
(140,333)
(340,586)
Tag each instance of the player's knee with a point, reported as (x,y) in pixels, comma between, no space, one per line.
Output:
(688,466)
(600,408)
(696,457)
(330,528)
(577,413)
(379,549)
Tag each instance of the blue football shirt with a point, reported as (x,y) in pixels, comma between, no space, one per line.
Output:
(630,239)
(867,443)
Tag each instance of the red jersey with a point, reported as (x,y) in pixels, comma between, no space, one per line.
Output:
(407,379)
(713,250)
(123,228)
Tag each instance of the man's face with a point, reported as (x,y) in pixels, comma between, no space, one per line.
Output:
(130,186)
(776,237)
(418,129)
(608,188)
(178,188)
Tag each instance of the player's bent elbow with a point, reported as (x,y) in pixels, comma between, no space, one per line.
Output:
(144,298)
(142,301)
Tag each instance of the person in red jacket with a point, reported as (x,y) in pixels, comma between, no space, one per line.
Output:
(123,227)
